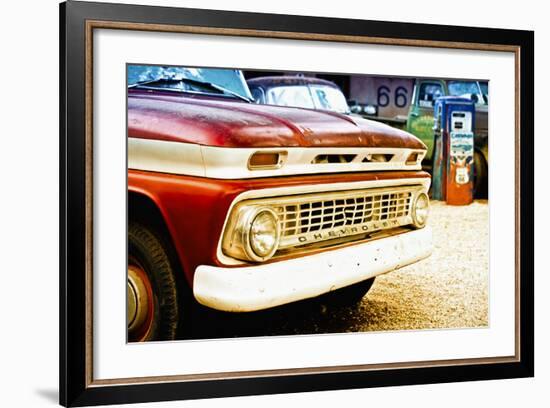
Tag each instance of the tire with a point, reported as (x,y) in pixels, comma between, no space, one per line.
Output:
(153,308)
(349,295)
(480,176)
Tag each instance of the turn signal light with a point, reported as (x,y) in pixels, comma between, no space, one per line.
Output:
(266,160)
(412,159)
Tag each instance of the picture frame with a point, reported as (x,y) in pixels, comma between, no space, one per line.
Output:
(78,20)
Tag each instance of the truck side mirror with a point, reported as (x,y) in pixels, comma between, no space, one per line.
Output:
(474,98)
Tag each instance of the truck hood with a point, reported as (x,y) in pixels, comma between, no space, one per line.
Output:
(227,123)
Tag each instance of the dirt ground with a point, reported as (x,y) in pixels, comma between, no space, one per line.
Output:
(447,290)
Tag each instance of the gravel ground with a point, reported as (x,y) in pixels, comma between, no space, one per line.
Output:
(447,290)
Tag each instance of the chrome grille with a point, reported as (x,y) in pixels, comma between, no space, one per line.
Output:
(309,219)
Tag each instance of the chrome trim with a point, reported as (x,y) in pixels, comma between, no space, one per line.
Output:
(310,220)
(323,217)
(416,223)
(307,189)
(237,240)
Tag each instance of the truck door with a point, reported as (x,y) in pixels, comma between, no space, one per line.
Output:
(420,121)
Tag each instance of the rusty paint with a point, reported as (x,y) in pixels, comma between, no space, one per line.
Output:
(217,122)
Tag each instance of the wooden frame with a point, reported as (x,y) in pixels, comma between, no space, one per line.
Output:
(77,22)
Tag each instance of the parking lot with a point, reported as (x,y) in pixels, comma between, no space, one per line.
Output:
(447,290)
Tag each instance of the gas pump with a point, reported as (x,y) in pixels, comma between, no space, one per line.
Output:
(453,162)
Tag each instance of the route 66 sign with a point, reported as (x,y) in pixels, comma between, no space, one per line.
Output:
(462,155)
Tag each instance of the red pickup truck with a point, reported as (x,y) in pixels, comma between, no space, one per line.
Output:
(242,207)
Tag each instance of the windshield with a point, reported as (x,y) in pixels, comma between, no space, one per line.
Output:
(329,98)
(231,80)
(484,87)
(310,97)
(466,89)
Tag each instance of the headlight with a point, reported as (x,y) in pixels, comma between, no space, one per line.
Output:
(264,233)
(420,210)
(255,235)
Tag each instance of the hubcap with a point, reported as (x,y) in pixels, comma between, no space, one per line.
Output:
(140,304)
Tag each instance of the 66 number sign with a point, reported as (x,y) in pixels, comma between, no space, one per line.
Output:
(400,96)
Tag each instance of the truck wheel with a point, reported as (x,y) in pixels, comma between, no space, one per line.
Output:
(152,304)
(480,176)
(349,295)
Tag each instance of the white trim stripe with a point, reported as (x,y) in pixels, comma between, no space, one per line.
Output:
(232,163)
(165,157)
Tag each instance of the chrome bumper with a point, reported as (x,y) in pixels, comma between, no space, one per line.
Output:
(249,288)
